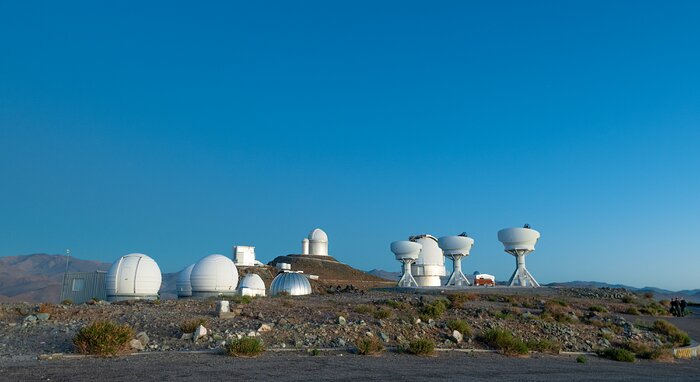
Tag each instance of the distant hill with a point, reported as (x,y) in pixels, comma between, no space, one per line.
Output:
(330,270)
(660,294)
(38,277)
(386,275)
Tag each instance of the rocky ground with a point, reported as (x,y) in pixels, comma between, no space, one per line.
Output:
(579,320)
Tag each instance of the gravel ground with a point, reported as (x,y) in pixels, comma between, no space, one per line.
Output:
(336,366)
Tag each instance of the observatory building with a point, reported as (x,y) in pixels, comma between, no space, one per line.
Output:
(407,253)
(430,265)
(520,242)
(316,244)
(133,277)
(456,247)
(214,275)
(244,256)
(291,283)
(182,284)
(252,285)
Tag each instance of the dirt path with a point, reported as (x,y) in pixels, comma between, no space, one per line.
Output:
(335,366)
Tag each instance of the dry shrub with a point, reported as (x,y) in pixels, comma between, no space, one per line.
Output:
(369,345)
(504,341)
(674,335)
(189,326)
(46,308)
(460,326)
(457,300)
(245,347)
(421,347)
(364,309)
(382,313)
(103,338)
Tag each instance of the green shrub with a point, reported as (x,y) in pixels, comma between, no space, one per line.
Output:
(245,347)
(315,352)
(396,304)
(363,309)
(544,346)
(675,335)
(434,309)
(382,313)
(632,310)
(103,338)
(369,346)
(504,341)
(617,354)
(460,326)
(555,302)
(421,347)
(457,300)
(581,359)
(598,308)
(190,326)
(241,299)
(628,299)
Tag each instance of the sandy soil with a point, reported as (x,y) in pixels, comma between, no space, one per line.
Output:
(341,366)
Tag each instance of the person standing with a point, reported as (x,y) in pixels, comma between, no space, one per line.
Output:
(674,306)
(683,304)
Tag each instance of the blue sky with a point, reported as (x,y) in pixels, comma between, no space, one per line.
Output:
(181,129)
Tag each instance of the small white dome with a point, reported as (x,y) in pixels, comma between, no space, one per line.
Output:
(134,276)
(318,235)
(291,283)
(213,275)
(252,281)
(182,284)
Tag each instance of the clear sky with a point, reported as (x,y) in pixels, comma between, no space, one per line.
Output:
(181,129)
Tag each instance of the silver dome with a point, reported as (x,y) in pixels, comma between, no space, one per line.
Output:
(293,284)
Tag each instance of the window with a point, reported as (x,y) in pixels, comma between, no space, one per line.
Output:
(78,285)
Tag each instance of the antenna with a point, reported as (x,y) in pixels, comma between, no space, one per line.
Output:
(455,248)
(520,242)
(406,252)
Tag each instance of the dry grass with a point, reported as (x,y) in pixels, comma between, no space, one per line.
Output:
(245,347)
(369,346)
(103,338)
(190,326)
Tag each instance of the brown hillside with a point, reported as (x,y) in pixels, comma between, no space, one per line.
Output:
(330,271)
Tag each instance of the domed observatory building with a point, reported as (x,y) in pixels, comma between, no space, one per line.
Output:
(520,242)
(133,277)
(214,275)
(252,285)
(430,265)
(182,284)
(317,243)
(290,283)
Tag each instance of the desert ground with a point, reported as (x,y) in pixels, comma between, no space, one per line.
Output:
(578,320)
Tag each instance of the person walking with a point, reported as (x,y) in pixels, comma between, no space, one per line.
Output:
(674,306)
(683,304)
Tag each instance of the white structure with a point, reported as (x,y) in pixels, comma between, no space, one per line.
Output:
(244,255)
(182,284)
(214,275)
(455,248)
(318,243)
(252,285)
(283,266)
(305,246)
(291,283)
(519,242)
(407,253)
(430,265)
(133,277)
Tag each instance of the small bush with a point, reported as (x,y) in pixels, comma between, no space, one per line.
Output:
(434,309)
(460,326)
(598,308)
(504,341)
(382,313)
(648,295)
(675,335)
(315,352)
(628,299)
(632,310)
(369,346)
(241,299)
(363,309)
(245,347)
(421,347)
(46,308)
(544,346)
(67,302)
(457,300)
(396,304)
(617,354)
(556,302)
(581,359)
(190,326)
(103,338)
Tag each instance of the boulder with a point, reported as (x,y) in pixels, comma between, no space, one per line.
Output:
(200,332)
(136,345)
(43,316)
(457,336)
(264,328)
(143,338)
(342,320)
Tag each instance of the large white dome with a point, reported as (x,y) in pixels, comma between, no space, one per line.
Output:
(318,235)
(252,281)
(214,275)
(182,284)
(518,238)
(131,277)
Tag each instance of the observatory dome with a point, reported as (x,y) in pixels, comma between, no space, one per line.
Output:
(431,262)
(292,283)
(405,249)
(252,281)
(182,284)
(452,245)
(214,275)
(518,238)
(318,243)
(133,277)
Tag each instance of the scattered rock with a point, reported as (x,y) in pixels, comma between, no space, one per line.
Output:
(342,320)
(143,338)
(457,336)
(136,345)
(200,332)
(43,316)
(264,328)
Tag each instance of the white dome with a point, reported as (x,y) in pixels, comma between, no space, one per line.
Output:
(134,276)
(252,281)
(214,275)
(455,245)
(318,235)
(405,249)
(518,238)
(293,284)
(182,284)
